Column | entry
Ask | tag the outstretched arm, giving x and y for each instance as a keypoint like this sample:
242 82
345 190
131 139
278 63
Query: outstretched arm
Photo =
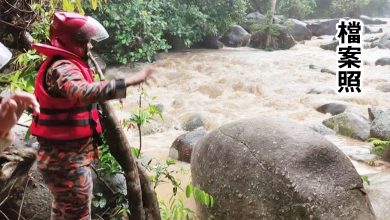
64 79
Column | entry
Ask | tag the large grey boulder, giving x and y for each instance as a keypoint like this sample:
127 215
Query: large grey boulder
327 27
379 193
298 29
380 126
368 20
350 125
374 113
276 169
253 21
181 148
282 41
383 61
236 36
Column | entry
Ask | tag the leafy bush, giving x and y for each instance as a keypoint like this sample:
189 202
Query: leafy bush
347 8
135 27
221 14
262 6
296 8
184 21
377 8
379 146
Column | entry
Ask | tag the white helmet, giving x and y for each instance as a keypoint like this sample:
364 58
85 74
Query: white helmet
5 55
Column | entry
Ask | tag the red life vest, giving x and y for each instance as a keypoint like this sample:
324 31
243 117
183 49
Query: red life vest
61 119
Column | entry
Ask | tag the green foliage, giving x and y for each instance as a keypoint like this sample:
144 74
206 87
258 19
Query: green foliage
296 8
350 8
24 76
221 14
162 173
275 29
199 195
175 210
379 145
144 115
107 163
377 8
184 21
135 27
365 179
262 6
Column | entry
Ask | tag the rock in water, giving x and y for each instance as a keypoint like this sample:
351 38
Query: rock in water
276 169
380 126
181 148
298 29
236 37
350 125
383 61
332 108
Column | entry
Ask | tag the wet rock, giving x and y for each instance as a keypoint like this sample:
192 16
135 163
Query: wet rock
379 193
325 70
374 113
279 19
363 155
177 43
384 87
298 29
181 148
322 129
313 67
330 46
383 61
276 169
332 108
368 20
327 27
367 30
192 121
386 154
160 107
109 184
382 43
236 36
209 42
256 17
253 22
283 41
350 125
109 187
380 126
317 91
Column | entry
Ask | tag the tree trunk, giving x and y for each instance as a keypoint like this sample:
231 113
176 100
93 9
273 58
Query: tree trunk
270 21
142 199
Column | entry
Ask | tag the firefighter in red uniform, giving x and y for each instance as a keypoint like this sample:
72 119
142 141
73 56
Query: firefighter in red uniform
68 120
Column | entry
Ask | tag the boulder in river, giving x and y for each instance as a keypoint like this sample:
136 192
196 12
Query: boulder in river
350 125
236 36
276 169
282 40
